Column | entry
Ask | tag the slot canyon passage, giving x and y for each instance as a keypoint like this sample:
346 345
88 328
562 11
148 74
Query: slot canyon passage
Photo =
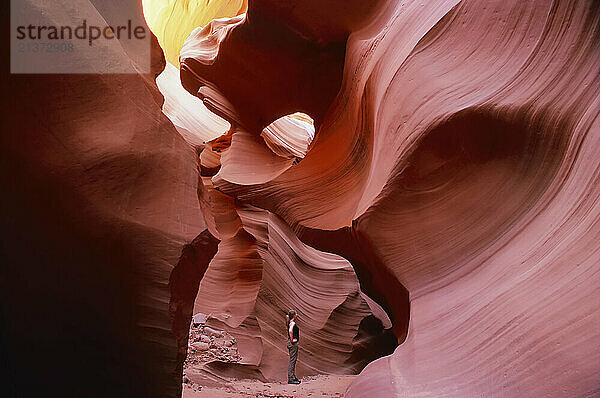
419 180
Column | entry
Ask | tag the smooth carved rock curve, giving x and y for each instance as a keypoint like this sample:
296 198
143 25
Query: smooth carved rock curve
459 141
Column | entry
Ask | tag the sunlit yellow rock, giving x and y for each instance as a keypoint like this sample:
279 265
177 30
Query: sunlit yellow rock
173 20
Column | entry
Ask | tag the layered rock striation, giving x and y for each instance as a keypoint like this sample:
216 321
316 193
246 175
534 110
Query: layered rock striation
260 270
454 157
413 173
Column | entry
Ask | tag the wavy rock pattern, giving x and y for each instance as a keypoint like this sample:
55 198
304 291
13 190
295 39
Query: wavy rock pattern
290 136
453 173
260 270
456 144
189 115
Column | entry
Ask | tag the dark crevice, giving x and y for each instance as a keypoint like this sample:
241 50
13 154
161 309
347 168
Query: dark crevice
183 285
375 279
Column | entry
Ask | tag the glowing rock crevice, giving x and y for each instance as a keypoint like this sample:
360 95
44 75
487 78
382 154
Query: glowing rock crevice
172 21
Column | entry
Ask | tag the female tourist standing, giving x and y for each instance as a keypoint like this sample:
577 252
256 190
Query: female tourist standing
292 344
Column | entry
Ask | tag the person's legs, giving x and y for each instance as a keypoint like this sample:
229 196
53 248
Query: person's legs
293 348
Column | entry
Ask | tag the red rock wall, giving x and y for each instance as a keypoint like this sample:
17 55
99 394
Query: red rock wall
98 201
261 270
453 179
456 146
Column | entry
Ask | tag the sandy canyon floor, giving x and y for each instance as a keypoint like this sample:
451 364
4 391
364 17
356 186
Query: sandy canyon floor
318 386
206 344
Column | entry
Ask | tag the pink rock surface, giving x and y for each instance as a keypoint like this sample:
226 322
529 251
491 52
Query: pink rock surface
260 270
460 149
450 195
